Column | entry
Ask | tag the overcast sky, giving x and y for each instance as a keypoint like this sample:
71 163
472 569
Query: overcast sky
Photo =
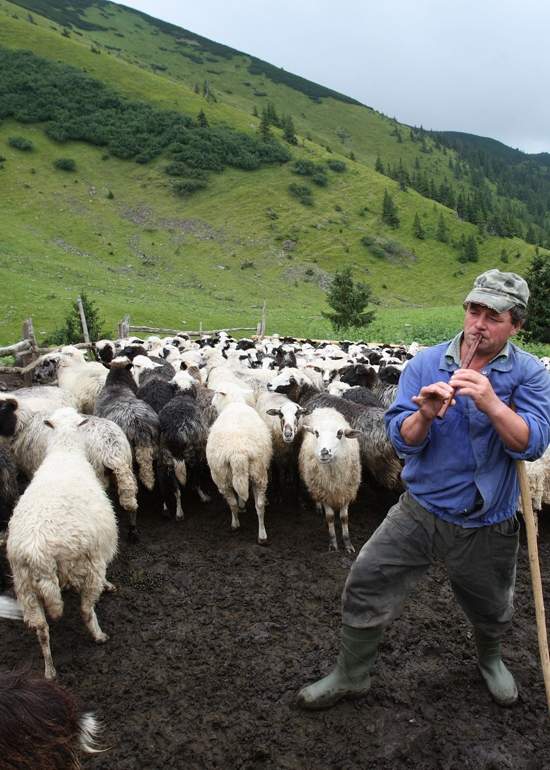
480 66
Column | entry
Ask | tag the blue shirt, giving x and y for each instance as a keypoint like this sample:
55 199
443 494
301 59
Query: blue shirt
462 471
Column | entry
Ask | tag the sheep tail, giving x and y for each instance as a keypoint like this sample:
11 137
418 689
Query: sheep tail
90 730
144 459
127 487
239 473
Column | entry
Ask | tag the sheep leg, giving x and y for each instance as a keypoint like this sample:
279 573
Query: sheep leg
329 516
345 529
259 499
109 587
179 509
203 496
91 592
43 633
231 498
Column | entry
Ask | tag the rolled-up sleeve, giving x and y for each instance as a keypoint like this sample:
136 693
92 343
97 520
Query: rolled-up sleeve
531 400
403 407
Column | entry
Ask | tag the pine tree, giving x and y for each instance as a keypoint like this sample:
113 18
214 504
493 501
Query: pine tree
71 332
379 166
272 116
289 132
389 211
348 300
197 88
202 120
537 327
418 230
263 129
255 111
471 253
442 233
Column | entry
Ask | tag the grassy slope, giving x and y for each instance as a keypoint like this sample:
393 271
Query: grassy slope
159 258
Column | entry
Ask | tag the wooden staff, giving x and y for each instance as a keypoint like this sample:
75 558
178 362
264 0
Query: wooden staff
536 581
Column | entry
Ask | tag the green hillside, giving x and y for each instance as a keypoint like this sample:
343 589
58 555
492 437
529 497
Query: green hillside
116 228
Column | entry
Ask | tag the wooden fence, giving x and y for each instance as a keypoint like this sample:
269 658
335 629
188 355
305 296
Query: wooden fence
27 352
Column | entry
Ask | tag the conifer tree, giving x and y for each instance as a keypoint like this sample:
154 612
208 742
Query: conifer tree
289 132
272 116
537 327
348 300
379 166
389 211
418 230
442 233
202 120
471 253
263 129
255 111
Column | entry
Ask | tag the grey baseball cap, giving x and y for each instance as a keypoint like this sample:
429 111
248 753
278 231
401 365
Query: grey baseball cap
499 291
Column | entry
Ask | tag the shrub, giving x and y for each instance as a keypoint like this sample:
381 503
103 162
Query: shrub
336 165
247 265
65 164
304 167
185 187
537 326
20 143
302 193
320 179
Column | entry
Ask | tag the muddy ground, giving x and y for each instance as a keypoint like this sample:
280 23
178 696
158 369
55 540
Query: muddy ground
212 635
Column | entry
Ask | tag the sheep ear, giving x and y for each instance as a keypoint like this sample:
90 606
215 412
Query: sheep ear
308 429
11 403
221 393
84 421
353 433
48 423
183 366
274 412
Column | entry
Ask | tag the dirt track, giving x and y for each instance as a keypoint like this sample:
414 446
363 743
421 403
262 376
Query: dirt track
212 635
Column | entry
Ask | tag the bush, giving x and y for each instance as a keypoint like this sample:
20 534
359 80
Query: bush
320 179
185 187
20 143
336 165
302 193
247 265
65 164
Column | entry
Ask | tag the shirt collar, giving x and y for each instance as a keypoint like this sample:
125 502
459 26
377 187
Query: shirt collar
452 356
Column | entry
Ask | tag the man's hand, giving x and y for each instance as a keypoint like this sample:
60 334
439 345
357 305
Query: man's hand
432 397
468 382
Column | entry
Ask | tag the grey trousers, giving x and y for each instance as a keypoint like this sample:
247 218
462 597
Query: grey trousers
481 564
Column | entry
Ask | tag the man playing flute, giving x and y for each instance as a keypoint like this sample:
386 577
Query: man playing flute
461 489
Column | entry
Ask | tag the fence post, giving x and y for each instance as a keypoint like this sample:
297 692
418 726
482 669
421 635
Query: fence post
124 327
25 358
263 321
83 320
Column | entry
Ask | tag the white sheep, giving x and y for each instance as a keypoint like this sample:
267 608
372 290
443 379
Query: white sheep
62 533
238 452
81 379
330 466
107 449
538 474
43 398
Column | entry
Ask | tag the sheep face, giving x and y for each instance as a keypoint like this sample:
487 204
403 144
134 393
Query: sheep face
8 417
328 441
45 372
289 416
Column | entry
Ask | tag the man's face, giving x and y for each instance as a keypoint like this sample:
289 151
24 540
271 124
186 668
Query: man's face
494 328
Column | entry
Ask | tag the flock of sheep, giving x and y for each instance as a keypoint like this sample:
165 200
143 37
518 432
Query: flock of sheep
171 412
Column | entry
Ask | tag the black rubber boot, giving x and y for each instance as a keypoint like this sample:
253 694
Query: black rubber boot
358 648
498 678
